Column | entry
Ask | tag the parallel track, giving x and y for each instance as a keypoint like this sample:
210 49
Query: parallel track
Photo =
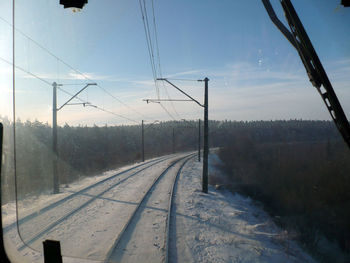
144 200
56 222
53 205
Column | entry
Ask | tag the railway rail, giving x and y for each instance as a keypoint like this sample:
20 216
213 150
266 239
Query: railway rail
51 221
119 248
170 211
73 203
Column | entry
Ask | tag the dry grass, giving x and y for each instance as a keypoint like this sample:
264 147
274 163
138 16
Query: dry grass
305 184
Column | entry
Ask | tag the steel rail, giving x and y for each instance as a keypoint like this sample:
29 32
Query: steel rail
171 201
84 204
55 204
146 195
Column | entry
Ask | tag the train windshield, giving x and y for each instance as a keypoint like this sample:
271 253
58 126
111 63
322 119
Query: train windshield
97 96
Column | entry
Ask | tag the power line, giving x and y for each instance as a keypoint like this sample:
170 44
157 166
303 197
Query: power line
165 109
67 92
69 66
150 50
113 113
151 53
149 43
97 107
77 71
28 72
121 102
39 78
158 56
171 102
156 42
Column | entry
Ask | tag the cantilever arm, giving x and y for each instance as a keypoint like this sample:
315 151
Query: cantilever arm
196 101
76 94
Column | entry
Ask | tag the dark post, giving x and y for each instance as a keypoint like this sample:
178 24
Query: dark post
52 251
173 140
206 145
54 139
199 140
143 143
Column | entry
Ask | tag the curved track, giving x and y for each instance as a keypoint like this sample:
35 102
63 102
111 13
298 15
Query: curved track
145 235
170 210
29 228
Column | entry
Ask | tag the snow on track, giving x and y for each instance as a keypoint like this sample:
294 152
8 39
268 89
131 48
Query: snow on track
66 226
215 227
77 232
145 238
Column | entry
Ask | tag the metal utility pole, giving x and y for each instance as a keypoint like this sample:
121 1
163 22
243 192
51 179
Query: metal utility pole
199 140
173 140
206 128
143 143
54 130
54 139
206 144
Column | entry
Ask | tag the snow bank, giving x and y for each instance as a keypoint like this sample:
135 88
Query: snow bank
225 227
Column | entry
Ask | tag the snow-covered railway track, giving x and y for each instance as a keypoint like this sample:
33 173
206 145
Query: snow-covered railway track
145 235
35 225
170 211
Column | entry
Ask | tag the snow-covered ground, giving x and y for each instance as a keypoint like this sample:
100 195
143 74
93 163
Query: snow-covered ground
86 225
35 203
214 227
225 227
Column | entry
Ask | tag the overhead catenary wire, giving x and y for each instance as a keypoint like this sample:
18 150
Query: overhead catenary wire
165 109
37 77
68 93
121 102
70 67
26 71
150 48
149 42
88 104
150 51
113 113
158 57
149 45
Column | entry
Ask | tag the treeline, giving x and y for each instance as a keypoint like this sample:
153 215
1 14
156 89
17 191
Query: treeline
300 171
83 151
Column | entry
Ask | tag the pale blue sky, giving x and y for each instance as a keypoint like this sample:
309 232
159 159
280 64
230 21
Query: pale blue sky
254 72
